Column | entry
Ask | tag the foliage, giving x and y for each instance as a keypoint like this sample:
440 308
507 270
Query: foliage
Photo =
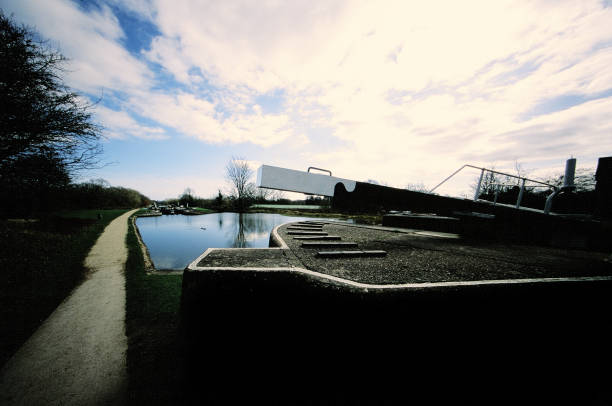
584 179
32 183
317 200
96 194
187 198
218 203
39 114
46 131
417 187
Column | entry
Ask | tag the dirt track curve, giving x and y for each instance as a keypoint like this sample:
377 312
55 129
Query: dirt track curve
78 355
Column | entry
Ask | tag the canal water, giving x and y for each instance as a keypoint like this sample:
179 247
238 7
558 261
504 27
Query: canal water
176 240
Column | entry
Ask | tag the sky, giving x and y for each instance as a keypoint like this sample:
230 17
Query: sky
400 92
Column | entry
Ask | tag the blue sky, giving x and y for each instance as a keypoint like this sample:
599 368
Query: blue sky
400 92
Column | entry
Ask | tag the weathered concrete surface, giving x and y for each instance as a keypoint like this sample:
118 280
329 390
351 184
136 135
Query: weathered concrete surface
415 256
249 258
420 321
78 355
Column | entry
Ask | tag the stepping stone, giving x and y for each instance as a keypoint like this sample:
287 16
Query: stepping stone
329 245
314 223
346 254
306 233
303 229
322 237
307 227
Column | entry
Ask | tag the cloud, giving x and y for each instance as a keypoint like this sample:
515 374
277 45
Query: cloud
408 91
199 118
90 40
119 124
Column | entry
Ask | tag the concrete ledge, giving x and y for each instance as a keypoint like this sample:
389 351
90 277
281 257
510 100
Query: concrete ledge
318 336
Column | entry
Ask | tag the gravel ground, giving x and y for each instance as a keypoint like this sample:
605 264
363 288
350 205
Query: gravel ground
77 356
414 257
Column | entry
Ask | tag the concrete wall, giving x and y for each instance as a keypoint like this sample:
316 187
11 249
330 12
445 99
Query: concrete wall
279 335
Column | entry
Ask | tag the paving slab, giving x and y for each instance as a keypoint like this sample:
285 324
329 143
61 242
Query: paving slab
336 244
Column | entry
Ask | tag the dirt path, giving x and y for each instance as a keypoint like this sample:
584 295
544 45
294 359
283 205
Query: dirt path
78 355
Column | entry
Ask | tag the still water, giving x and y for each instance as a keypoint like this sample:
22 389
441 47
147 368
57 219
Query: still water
176 240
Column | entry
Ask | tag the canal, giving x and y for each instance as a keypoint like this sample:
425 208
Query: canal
176 240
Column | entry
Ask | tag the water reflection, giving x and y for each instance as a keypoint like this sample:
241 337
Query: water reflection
176 240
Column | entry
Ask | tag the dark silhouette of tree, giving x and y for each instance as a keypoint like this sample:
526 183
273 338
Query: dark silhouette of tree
39 114
46 130
218 203
188 198
33 183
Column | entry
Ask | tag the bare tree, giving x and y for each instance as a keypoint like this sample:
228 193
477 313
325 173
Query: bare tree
238 174
417 187
584 179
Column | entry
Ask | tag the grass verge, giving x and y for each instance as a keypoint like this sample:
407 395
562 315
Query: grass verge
154 358
369 219
41 261
202 210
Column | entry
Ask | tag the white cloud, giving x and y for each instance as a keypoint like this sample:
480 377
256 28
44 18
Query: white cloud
119 124
411 89
89 40
197 117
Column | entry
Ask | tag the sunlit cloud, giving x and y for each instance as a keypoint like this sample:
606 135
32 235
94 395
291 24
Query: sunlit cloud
121 125
398 91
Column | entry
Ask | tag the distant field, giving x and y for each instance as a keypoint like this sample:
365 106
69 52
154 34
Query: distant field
286 206
202 210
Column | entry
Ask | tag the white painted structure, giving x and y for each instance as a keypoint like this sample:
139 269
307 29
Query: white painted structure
274 177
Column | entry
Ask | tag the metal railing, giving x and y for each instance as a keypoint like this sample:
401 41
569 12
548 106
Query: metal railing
522 180
319 169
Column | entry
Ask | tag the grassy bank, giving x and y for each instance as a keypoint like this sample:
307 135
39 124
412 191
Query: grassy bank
41 261
152 319
202 210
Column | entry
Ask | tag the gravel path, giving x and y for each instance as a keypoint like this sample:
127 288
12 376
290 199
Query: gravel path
78 355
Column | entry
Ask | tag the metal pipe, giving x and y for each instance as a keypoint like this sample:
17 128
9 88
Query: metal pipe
496 194
477 193
570 171
520 196
452 174
549 201
492 171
